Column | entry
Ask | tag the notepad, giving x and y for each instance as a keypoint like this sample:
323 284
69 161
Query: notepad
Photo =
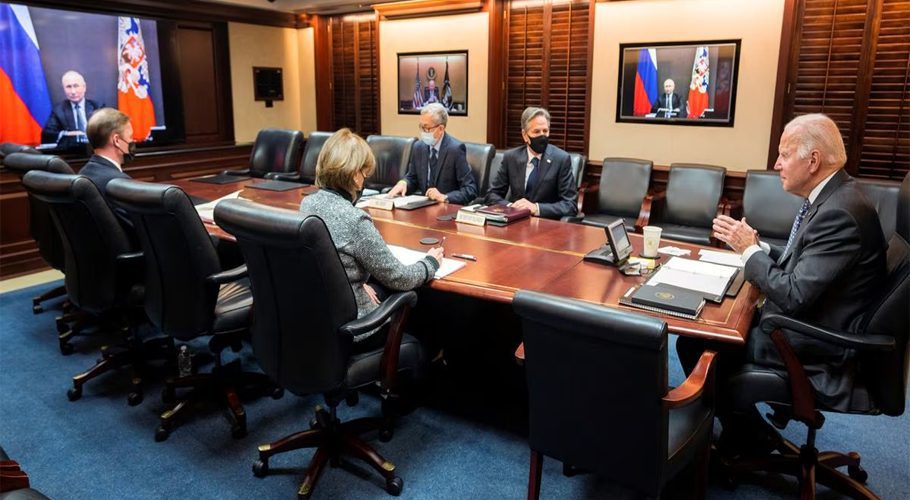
206 211
408 257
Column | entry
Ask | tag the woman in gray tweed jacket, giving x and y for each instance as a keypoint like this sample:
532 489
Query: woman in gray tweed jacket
344 162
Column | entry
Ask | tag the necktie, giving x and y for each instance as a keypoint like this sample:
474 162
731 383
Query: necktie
532 178
431 181
80 121
796 223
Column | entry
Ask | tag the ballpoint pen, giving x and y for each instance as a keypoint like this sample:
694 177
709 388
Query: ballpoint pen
464 256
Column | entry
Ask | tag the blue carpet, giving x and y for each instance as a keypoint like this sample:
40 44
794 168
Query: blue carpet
98 447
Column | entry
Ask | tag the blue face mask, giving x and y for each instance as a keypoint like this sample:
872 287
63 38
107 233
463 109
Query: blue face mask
427 138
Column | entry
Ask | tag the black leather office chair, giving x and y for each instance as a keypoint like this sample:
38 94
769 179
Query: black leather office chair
621 194
8 148
14 483
480 156
883 195
275 150
392 154
495 167
103 274
767 207
40 225
303 327
306 173
686 210
598 396
879 384
188 295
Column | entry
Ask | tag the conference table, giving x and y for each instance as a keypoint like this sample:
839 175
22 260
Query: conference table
532 254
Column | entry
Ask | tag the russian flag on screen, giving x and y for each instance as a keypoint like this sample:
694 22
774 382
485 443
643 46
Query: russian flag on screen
133 97
645 82
24 100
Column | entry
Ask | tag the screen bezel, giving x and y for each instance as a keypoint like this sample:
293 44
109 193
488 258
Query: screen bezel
620 255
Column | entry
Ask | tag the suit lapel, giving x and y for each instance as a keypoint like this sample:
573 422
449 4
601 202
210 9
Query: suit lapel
839 178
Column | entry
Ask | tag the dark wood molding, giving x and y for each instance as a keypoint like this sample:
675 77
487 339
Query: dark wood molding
789 38
187 10
378 74
592 21
427 8
864 84
322 51
496 73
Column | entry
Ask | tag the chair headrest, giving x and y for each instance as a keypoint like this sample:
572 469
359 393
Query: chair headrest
273 226
8 148
23 162
147 197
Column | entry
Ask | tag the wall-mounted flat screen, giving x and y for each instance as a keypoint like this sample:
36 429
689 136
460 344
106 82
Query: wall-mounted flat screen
429 77
678 83
57 67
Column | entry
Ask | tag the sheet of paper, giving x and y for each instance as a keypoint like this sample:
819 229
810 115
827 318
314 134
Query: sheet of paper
206 211
711 285
724 258
700 267
408 257
673 251
404 200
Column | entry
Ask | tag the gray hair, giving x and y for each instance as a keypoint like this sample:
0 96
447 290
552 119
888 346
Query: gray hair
818 132
531 113
437 111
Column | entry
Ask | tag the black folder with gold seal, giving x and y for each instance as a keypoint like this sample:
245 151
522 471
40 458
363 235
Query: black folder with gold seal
665 299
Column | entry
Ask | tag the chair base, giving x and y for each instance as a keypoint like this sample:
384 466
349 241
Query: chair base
332 439
135 354
48 295
222 383
808 465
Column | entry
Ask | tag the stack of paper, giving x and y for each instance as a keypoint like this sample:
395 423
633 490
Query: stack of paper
207 210
725 258
408 257
710 279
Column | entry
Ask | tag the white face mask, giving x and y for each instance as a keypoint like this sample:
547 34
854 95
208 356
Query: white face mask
427 138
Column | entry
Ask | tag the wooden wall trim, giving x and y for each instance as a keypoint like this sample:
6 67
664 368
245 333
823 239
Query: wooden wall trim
426 8
789 39
189 10
496 73
864 84
322 45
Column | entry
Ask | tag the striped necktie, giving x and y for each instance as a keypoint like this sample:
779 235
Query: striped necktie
796 223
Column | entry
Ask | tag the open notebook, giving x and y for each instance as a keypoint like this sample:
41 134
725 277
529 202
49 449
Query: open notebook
408 257
710 279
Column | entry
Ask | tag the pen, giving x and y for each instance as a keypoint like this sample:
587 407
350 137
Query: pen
464 256
443 244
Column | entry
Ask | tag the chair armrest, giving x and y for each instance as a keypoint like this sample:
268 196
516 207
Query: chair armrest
130 258
574 219
243 171
771 322
228 276
693 387
131 263
283 176
381 314
644 213
583 190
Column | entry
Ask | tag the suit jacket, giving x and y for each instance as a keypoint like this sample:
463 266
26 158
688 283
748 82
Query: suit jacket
453 175
62 119
556 190
662 103
829 277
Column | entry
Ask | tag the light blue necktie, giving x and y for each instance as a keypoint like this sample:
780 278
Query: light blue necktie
80 121
803 210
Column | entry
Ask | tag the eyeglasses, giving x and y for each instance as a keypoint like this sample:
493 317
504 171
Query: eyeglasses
430 129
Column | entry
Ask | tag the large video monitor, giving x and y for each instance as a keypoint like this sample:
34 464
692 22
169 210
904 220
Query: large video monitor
428 77
678 83
63 65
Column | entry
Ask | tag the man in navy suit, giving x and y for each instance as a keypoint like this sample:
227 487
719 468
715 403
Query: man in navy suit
438 166
67 124
668 102
111 136
536 175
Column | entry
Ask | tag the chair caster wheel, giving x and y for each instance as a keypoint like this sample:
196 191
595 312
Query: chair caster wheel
66 349
385 435
394 486
277 393
569 470
134 398
161 434
238 431
74 393
37 309
314 423
260 468
858 474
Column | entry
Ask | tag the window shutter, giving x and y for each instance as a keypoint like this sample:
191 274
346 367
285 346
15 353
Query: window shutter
355 88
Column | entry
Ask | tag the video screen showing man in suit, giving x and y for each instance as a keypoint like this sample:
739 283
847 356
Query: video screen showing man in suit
536 175
667 105
438 166
68 120
827 274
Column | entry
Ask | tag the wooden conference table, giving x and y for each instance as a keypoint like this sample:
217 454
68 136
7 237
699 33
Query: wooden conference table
532 254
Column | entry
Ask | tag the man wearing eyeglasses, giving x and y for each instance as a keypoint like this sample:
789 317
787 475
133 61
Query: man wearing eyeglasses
438 166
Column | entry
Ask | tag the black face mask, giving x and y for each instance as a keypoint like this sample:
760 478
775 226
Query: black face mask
539 143
130 153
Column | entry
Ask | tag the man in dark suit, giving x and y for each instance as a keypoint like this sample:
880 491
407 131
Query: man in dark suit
438 166
668 102
67 122
537 175
111 136
827 274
